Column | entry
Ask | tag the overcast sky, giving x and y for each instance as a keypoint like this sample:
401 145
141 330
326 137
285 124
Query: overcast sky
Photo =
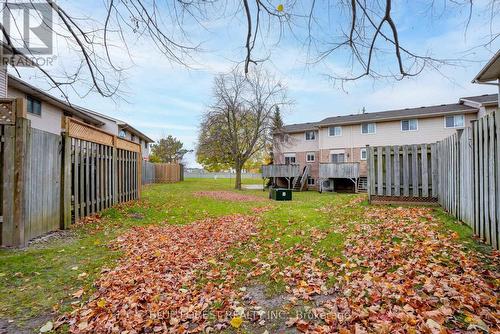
165 98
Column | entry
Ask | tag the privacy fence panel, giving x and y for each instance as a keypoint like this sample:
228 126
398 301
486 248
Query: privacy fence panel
402 173
486 166
455 172
42 183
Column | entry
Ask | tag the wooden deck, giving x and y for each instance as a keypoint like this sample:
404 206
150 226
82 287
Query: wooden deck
281 170
343 170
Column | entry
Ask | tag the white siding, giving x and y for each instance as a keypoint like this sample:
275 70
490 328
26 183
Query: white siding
51 118
389 133
296 142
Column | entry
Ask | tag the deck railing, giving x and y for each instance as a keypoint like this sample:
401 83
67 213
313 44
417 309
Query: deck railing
280 170
341 170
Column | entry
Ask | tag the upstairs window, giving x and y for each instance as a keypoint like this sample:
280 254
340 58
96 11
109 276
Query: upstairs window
368 128
122 134
409 125
34 106
335 131
455 121
310 135
310 157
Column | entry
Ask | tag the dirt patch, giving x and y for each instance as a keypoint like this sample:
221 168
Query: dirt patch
48 238
29 326
228 196
266 313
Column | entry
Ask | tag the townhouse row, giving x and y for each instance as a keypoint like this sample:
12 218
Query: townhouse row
343 139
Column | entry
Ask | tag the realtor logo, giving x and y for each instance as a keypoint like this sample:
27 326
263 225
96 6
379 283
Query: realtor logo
27 36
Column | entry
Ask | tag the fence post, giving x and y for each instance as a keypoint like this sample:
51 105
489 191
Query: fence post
66 178
20 163
369 177
114 173
139 173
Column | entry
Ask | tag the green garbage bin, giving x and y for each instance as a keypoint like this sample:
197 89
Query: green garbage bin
279 194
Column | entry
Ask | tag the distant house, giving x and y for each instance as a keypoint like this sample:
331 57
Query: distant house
333 151
46 112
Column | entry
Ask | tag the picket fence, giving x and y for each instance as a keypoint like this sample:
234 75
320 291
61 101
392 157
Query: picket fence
461 173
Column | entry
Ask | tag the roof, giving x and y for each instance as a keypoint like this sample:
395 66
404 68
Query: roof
421 112
299 127
121 124
69 108
72 109
482 99
491 71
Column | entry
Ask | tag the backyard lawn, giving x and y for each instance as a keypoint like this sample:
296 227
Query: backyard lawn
197 256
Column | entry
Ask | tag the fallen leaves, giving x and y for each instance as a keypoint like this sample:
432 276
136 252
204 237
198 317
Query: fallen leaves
229 196
399 273
156 286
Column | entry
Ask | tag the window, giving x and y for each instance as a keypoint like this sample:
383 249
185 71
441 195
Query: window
409 125
310 135
363 154
310 181
34 106
368 128
337 157
335 131
122 134
146 145
310 157
289 159
455 121
132 137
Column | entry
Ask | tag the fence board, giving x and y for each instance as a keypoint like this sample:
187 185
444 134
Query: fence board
388 171
425 174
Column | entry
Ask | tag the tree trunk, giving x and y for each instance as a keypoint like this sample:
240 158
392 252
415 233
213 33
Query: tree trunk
237 184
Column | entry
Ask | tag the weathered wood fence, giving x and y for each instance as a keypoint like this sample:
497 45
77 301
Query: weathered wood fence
50 181
100 170
486 178
403 173
162 172
461 173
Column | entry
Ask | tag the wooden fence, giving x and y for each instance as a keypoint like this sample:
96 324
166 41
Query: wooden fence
50 181
461 172
42 183
403 173
486 178
100 170
455 175
162 172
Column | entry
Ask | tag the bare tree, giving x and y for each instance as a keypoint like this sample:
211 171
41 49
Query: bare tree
239 124
362 31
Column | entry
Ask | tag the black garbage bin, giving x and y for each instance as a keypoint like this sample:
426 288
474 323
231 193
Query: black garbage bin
279 194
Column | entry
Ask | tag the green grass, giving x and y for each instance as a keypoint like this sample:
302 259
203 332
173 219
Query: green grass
38 279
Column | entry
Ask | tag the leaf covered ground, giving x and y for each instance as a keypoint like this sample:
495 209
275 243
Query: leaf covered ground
181 262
